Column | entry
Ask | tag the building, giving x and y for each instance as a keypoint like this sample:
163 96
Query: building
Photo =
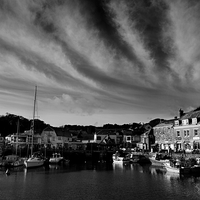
145 136
164 134
187 131
1 144
107 136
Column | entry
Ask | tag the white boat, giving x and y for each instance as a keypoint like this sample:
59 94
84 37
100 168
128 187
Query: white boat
177 168
121 158
155 161
35 160
56 158
171 169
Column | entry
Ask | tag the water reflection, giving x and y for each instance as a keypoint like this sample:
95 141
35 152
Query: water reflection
137 182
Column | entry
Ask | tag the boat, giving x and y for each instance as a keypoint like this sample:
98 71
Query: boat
36 160
57 158
177 167
121 157
139 158
171 169
12 161
158 159
195 166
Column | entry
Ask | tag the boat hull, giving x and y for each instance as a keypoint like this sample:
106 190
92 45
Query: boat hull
171 169
158 163
195 169
55 160
31 163
178 169
12 161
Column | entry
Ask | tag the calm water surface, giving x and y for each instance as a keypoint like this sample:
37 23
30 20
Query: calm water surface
100 182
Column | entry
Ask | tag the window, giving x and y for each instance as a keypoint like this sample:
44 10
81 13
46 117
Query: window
195 132
176 122
188 133
194 120
98 137
128 138
178 133
185 133
185 122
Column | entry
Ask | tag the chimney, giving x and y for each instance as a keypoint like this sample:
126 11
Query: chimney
181 113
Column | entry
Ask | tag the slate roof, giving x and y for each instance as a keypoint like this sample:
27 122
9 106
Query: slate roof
165 123
191 114
106 132
83 135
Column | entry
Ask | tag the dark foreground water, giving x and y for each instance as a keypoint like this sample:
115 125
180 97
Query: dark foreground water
100 182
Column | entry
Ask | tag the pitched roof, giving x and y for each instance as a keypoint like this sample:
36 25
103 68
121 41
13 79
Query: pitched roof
128 132
106 132
191 114
48 128
165 123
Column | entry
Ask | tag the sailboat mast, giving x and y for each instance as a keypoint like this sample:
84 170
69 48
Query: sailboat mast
17 135
33 122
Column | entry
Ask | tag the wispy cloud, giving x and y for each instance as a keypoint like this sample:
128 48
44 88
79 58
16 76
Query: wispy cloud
130 60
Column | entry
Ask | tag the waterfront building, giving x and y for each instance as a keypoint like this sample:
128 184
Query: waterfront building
23 139
105 136
187 131
164 135
55 137
144 136
147 138
1 144
129 139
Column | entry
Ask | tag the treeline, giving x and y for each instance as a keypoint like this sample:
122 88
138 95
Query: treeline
11 123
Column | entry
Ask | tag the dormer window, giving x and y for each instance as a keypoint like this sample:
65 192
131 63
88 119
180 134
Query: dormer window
194 120
176 122
185 122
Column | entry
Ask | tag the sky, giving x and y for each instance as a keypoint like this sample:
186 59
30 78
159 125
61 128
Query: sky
96 62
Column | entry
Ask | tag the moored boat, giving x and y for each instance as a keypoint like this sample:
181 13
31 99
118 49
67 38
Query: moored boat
158 160
171 168
35 160
177 167
121 157
139 158
13 161
57 158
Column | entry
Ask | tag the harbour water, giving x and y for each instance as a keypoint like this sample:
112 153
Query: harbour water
97 182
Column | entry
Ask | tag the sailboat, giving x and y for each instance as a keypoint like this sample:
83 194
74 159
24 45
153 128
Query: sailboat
35 160
13 160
